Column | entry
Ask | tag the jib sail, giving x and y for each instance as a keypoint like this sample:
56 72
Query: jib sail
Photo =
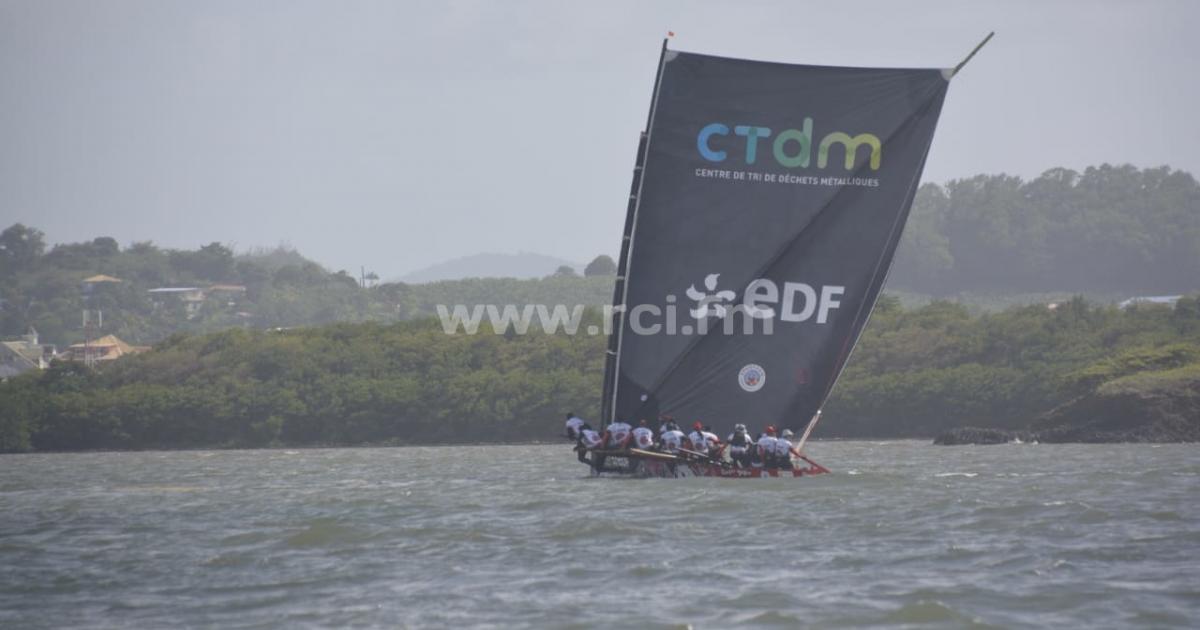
764 220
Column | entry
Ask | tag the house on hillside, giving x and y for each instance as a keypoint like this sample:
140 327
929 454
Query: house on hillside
24 354
106 348
1168 300
91 283
230 294
191 297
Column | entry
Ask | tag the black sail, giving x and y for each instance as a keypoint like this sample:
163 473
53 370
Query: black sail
770 203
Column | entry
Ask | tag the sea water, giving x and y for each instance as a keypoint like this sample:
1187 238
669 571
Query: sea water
901 534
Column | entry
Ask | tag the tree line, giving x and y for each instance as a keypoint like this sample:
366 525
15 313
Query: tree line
1106 232
1109 229
284 289
915 373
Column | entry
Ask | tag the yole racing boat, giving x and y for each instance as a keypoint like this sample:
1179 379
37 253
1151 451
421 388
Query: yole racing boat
772 196
643 463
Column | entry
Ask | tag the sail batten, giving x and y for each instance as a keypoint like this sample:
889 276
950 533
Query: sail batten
767 204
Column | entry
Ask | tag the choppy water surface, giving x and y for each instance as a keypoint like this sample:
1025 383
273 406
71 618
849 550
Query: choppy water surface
903 533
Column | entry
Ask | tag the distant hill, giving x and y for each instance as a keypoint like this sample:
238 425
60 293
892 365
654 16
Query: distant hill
521 265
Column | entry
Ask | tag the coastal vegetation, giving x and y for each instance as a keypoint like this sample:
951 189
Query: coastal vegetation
917 372
267 347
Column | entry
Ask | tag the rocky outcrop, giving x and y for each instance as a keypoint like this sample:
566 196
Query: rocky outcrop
1148 407
978 435
1144 410
973 435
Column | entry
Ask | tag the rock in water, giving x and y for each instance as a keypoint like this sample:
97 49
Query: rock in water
977 435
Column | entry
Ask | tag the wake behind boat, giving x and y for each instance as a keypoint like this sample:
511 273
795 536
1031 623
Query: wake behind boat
766 206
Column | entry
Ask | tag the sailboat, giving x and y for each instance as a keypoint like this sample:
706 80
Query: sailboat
766 206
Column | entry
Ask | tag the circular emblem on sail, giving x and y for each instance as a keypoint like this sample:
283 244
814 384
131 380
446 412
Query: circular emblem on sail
752 377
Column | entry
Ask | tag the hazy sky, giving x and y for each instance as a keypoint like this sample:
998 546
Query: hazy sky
398 134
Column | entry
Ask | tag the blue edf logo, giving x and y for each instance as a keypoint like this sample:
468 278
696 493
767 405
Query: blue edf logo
791 148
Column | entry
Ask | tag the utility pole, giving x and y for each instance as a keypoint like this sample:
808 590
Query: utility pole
90 326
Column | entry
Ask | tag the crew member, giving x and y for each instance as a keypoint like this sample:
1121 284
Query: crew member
702 441
588 440
740 446
695 440
643 437
666 428
784 450
617 435
716 449
672 439
766 447
574 424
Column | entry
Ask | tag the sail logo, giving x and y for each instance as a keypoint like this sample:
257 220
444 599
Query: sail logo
710 305
766 299
791 148
752 377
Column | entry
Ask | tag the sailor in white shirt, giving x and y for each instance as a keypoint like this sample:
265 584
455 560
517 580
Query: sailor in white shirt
672 440
784 450
617 435
588 440
574 424
667 427
643 437
766 447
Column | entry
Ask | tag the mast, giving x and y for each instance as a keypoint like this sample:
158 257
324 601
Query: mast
612 354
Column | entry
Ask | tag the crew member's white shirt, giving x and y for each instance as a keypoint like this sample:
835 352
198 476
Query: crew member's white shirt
673 440
766 445
574 423
617 432
643 437
592 439
783 449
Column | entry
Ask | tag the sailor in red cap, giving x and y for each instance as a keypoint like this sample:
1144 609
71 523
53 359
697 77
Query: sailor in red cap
696 439
766 447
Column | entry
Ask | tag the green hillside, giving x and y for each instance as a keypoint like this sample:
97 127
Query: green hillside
915 374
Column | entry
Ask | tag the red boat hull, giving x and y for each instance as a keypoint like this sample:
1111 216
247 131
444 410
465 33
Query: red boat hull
713 470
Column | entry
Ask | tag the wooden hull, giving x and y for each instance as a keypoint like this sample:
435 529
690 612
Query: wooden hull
712 470
637 463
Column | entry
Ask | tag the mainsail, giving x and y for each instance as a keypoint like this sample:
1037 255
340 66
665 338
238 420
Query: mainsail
767 204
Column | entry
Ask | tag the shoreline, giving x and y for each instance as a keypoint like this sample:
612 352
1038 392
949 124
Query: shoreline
314 447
